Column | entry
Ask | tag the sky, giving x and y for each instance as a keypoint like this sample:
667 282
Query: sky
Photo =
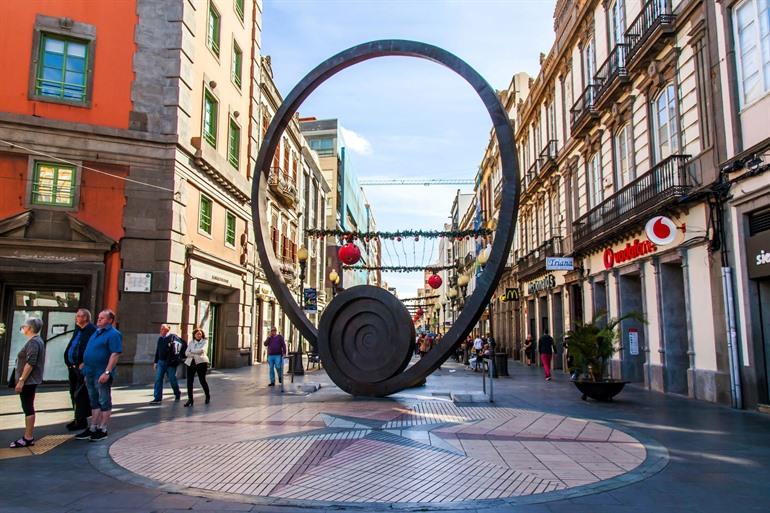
405 117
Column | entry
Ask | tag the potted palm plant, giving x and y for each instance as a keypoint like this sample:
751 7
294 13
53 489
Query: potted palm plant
591 345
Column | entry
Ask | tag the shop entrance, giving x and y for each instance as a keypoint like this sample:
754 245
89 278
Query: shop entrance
632 332
558 327
208 320
543 311
576 304
674 320
56 308
763 295
532 319
600 301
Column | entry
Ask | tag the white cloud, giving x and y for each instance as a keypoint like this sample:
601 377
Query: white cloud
356 142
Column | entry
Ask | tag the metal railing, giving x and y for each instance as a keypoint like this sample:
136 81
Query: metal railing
653 14
583 106
549 153
498 192
534 261
666 181
281 183
614 67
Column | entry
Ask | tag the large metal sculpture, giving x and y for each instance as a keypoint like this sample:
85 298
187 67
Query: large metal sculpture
366 337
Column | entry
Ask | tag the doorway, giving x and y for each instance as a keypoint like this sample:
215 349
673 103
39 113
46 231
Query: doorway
600 302
558 327
543 311
208 320
532 319
632 332
576 304
56 308
675 336
763 298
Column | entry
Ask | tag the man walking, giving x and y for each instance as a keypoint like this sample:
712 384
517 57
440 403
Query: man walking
73 358
546 347
169 351
276 349
99 362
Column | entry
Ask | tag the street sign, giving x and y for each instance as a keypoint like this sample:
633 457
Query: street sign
559 264
310 300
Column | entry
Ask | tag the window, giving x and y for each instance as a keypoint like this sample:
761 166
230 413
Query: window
666 129
752 34
62 69
237 65
234 144
210 111
204 216
595 188
589 63
239 9
53 185
617 22
212 36
624 162
230 229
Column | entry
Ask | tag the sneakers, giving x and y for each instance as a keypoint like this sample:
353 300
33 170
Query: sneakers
156 401
548 378
85 435
76 425
99 434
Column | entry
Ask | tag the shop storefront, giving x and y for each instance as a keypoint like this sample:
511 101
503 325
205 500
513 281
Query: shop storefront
543 309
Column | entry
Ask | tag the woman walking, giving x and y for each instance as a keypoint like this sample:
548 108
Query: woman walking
197 363
29 374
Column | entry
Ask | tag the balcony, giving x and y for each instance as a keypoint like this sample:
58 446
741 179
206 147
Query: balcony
534 262
548 156
649 31
611 75
282 185
498 193
584 112
632 205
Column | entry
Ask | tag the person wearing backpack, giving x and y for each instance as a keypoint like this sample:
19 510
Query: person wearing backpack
169 352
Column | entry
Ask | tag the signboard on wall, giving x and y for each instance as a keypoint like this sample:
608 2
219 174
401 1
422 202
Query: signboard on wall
137 282
559 263
758 255
545 283
633 341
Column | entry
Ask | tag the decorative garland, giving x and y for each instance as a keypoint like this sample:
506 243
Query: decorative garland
418 298
398 268
398 235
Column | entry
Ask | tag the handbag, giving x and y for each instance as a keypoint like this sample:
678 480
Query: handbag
12 379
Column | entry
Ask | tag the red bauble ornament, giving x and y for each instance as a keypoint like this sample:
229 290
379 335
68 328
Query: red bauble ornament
434 281
416 239
349 254
398 239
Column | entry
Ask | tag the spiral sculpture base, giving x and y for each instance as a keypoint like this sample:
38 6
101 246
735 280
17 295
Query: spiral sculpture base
365 339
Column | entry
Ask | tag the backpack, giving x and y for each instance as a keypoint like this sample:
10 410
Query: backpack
177 348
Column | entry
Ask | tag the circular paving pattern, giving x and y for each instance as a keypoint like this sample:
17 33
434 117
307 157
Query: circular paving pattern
379 452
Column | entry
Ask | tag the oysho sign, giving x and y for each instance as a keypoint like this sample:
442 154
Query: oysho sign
545 283
628 253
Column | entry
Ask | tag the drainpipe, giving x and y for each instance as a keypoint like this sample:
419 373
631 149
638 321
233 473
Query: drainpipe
732 338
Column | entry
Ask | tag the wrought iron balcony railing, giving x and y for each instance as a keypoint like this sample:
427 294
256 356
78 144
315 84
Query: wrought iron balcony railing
584 108
662 185
611 71
280 182
534 261
548 154
654 14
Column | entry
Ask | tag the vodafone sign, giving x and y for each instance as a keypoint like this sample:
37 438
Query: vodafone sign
660 230
628 253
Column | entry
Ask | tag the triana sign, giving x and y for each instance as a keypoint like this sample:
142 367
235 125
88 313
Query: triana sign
628 253
559 263
510 295
545 283
758 255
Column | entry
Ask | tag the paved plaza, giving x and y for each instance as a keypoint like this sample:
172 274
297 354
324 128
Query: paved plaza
537 448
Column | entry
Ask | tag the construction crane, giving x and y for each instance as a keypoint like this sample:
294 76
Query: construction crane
418 181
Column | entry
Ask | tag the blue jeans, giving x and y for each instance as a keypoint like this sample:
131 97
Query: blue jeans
100 395
275 361
161 372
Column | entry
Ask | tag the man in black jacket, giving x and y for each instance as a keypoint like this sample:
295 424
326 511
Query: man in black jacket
168 353
73 358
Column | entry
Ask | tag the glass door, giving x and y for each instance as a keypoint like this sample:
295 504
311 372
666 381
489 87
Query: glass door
207 321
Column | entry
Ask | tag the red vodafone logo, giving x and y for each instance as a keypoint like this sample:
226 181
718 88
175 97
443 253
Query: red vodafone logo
630 252
660 230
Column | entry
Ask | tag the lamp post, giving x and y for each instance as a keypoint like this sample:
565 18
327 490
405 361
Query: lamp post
334 279
302 255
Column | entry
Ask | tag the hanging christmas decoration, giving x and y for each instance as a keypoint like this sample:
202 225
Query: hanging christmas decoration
349 254
399 268
434 296
398 235
434 281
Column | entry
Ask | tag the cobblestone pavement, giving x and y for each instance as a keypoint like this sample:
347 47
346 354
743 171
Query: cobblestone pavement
538 448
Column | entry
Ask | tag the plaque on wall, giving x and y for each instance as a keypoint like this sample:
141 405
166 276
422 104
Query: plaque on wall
137 282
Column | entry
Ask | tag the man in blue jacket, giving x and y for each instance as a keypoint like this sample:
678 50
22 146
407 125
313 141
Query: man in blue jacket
73 358
99 362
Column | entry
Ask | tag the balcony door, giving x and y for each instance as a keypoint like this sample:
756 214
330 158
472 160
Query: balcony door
617 23
666 123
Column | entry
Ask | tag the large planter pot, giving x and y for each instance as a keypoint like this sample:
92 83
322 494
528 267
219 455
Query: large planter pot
603 390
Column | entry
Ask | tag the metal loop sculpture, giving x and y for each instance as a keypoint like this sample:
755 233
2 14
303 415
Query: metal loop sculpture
366 336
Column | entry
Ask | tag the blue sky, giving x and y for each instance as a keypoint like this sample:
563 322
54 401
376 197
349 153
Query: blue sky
406 117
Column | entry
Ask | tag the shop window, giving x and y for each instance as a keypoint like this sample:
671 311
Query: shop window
234 144
214 29
666 123
210 112
751 21
53 185
237 65
230 229
205 214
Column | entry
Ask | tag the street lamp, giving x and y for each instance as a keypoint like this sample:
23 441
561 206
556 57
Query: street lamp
334 279
302 256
